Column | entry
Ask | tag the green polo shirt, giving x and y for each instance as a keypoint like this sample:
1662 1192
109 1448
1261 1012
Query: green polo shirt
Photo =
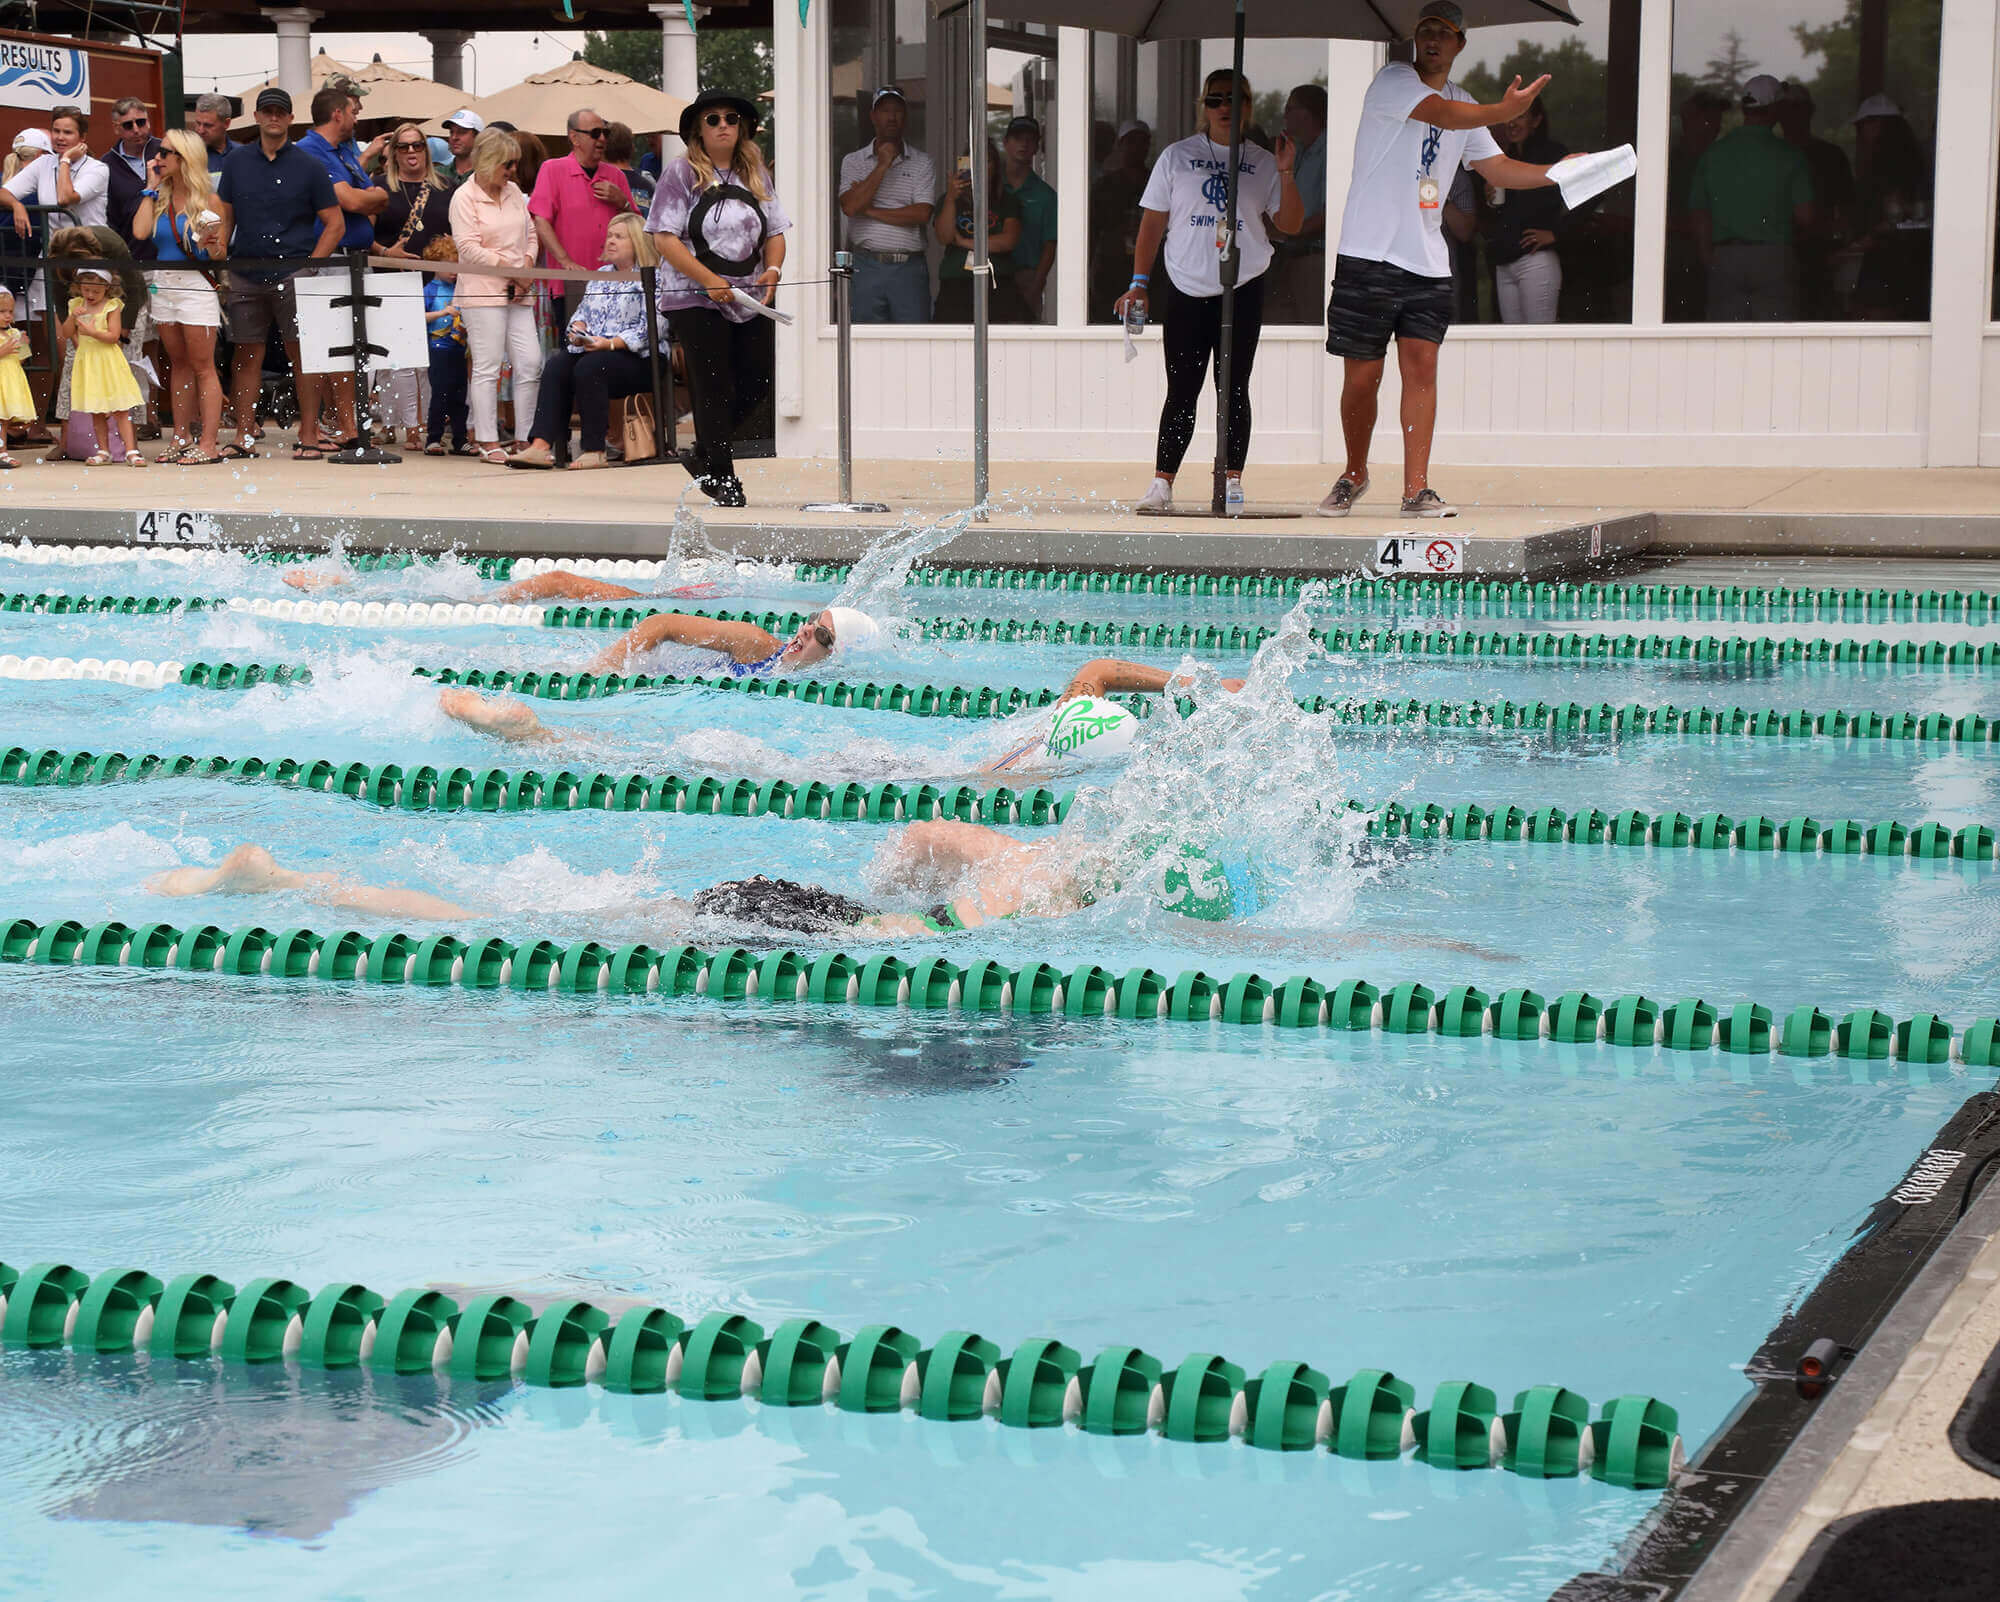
1748 181
1038 221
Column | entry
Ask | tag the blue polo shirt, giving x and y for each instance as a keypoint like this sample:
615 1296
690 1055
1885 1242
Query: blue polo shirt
343 166
277 201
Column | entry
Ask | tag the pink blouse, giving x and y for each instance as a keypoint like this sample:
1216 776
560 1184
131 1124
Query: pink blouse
490 233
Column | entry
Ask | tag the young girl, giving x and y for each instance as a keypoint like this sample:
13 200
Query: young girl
101 382
17 402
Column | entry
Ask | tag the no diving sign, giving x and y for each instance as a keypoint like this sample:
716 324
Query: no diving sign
1411 555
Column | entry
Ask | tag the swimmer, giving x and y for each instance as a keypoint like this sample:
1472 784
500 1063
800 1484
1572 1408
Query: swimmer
511 719
558 584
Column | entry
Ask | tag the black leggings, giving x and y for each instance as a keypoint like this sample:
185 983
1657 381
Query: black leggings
586 384
729 371
1191 327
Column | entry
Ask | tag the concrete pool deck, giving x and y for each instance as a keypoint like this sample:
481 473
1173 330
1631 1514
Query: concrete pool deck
1534 522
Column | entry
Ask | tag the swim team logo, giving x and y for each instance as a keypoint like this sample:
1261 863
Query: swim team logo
1215 189
42 76
1082 722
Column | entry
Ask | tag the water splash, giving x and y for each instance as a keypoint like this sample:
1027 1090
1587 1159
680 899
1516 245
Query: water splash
877 583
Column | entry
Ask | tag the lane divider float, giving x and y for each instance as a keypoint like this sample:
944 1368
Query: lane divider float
962 1376
935 983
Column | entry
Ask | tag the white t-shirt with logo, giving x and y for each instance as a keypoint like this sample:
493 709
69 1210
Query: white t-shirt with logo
1188 184
1392 156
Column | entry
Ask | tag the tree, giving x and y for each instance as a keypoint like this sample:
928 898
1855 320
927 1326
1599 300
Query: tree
1728 72
1574 99
1909 70
736 59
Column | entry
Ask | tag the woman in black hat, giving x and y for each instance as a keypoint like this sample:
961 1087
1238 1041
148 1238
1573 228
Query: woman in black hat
719 227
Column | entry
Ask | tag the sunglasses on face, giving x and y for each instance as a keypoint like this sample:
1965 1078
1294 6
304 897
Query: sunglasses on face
409 147
1215 102
593 133
134 122
722 119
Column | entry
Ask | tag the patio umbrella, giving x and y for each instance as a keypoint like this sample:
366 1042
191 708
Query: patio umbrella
1384 20
543 102
389 94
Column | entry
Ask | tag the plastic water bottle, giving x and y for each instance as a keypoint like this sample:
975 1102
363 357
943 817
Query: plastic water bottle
1135 319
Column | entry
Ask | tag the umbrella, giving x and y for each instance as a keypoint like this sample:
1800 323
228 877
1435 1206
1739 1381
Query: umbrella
389 94
542 103
1382 20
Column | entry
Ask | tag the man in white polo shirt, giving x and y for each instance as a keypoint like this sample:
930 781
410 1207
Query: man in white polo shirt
1393 272
886 192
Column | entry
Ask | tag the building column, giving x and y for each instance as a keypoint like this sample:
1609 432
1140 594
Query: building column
1961 230
1073 174
448 55
1655 138
294 25
680 72
805 360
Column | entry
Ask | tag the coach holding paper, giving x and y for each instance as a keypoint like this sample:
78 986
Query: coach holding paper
1393 272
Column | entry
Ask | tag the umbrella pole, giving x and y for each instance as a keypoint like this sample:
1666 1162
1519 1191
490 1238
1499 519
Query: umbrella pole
982 268
1218 504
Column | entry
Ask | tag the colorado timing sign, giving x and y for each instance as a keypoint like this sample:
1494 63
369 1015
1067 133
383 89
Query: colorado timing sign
42 76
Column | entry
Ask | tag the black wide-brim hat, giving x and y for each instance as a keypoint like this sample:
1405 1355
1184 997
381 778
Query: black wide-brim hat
707 100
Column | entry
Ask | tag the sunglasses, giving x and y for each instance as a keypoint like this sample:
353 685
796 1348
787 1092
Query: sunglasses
135 122
594 133
1215 102
412 147
722 119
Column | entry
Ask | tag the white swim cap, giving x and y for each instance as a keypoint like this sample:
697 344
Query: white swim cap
1088 727
851 629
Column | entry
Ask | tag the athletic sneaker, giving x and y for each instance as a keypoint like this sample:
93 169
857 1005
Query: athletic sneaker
1341 498
1158 497
1232 494
1428 503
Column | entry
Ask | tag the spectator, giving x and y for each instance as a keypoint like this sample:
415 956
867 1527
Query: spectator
491 227
1894 190
1030 261
952 222
1114 217
1392 273
1522 232
619 150
1461 238
99 243
1750 196
1183 205
128 170
276 202
1687 280
1298 260
445 329
70 181
212 114
573 201
886 190
1833 203
17 401
533 154
29 143
104 384
720 227
331 144
461 128
177 216
604 356
419 211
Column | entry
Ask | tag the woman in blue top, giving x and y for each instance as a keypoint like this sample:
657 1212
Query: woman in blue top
178 214
609 338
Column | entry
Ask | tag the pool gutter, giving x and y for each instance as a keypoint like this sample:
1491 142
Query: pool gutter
1749 1488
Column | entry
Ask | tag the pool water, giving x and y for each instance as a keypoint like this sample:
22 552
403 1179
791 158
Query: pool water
1614 1220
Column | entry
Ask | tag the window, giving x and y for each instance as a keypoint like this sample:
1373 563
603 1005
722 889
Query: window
1799 185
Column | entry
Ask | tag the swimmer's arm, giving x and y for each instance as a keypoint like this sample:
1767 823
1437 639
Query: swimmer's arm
741 642
1108 674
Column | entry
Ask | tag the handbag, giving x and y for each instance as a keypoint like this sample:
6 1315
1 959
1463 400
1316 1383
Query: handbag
638 430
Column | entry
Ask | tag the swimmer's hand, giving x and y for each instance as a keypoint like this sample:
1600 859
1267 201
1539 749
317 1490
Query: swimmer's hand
1107 673
504 718
301 579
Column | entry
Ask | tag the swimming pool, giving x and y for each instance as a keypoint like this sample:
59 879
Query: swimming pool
1613 1219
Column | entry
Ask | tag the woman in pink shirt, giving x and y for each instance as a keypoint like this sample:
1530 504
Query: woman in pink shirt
490 224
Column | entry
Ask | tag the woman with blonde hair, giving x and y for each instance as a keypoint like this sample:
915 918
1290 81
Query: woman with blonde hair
418 212
720 228
605 356
491 226
178 214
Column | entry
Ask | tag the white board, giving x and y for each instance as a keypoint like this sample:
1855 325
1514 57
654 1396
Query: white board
397 323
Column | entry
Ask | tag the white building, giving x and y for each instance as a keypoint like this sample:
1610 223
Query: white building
1648 388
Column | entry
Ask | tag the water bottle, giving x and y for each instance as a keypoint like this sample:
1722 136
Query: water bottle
1135 319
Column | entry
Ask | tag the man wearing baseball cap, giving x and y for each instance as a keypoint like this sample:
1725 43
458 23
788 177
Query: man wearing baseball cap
886 191
460 129
1392 276
1031 261
1751 196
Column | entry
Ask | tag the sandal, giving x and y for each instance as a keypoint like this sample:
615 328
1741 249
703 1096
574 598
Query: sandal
302 452
436 448
98 459
194 456
493 455
7 461
136 459
174 452
237 451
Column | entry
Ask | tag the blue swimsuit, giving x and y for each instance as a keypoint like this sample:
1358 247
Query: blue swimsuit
756 670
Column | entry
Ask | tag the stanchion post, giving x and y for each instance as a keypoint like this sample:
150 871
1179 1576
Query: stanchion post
843 319
362 453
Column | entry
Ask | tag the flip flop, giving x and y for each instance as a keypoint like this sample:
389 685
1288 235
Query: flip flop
193 457
308 453
237 451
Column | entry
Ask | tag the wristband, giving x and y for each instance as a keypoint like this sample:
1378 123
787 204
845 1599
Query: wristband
1139 281
149 194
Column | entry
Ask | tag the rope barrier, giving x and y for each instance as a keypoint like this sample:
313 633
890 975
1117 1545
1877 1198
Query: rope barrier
424 787
962 1376
737 974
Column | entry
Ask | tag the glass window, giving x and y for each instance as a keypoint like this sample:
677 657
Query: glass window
1143 98
1520 256
1800 181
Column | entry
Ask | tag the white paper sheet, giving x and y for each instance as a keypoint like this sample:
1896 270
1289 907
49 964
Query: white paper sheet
1585 176
760 308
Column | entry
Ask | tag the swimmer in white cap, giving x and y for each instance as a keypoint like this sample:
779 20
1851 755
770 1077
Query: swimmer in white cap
558 584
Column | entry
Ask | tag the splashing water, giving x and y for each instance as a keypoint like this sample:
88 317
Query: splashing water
878 580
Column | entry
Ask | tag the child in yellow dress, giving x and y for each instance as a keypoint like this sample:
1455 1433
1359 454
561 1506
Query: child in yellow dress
17 401
101 381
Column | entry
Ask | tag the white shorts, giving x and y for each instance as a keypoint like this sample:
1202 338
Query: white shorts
185 298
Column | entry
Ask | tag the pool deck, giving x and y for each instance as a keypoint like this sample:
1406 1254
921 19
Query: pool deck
1533 522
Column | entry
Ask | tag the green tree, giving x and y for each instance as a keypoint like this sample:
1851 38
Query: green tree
1574 99
1728 72
1909 67
736 59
